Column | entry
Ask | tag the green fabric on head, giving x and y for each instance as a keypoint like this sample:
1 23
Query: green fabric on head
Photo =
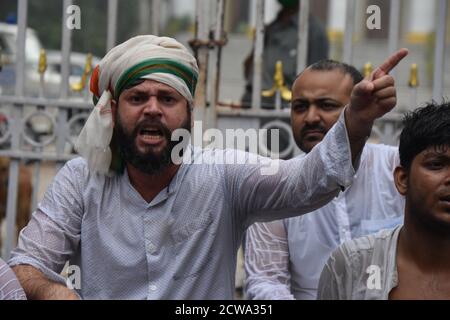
157 65
288 3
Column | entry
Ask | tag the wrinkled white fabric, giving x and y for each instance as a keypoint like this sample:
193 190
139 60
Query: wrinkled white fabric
362 269
94 139
174 82
136 50
284 258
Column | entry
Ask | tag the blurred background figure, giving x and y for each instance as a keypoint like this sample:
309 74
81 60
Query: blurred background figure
280 44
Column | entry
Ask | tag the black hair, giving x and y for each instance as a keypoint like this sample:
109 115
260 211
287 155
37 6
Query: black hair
424 127
330 65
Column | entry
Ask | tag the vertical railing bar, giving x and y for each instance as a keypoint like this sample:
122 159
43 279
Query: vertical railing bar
215 59
302 40
156 13
37 173
112 24
258 55
439 62
201 34
21 39
66 44
394 29
349 28
13 177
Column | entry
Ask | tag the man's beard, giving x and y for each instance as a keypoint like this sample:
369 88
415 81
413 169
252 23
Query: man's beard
301 142
149 162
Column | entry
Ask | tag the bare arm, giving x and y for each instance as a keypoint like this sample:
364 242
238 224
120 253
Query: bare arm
38 287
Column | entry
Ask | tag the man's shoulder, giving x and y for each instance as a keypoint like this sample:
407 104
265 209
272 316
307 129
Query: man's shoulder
78 162
76 165
379 154
366 246
77 171
379 147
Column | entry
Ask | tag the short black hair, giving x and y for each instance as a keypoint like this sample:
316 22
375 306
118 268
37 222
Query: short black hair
330 65
424 127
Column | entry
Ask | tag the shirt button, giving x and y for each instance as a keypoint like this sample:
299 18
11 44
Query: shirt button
153 287
151 248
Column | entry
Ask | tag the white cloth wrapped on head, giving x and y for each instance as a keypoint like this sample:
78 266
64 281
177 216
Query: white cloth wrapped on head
161 59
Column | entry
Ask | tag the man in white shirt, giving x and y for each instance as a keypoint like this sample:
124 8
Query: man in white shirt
140 225
410 261
284 258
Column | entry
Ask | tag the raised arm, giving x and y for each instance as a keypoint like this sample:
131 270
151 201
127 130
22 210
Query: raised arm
304 184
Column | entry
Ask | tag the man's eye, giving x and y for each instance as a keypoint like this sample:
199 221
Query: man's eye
137 99
434 165
328 106
300 107
167 99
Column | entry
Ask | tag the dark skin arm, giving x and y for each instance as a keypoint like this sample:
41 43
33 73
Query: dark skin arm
38 287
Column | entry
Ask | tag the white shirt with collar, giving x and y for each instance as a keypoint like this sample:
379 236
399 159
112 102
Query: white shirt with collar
284 258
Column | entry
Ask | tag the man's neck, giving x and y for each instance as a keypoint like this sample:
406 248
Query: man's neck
149 185
428 249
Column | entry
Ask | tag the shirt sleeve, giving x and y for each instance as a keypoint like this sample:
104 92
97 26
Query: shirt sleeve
267 262
52 236
277 189
10 288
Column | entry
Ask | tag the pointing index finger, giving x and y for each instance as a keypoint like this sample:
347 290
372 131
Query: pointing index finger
391 62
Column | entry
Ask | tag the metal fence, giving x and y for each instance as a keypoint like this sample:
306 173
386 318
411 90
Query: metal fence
65 114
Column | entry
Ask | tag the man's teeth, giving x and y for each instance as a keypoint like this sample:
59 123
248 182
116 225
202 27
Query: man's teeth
153 133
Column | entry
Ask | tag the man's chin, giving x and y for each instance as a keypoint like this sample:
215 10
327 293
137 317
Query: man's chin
307 146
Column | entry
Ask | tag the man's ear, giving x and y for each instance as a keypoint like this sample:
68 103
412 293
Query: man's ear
114 110
401 179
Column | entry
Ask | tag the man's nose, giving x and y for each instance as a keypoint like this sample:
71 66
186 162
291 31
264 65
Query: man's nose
312 115
447 176
152 107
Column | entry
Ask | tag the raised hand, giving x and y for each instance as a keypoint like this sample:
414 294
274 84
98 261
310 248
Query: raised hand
376 94
371 98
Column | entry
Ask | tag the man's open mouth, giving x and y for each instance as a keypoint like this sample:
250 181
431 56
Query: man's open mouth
151 132
445 198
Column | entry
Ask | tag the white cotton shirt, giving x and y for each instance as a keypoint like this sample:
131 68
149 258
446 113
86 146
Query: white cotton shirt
183 244
283 259
362 269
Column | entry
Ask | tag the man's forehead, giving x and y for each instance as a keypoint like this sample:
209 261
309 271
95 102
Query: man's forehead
437 150
323 83
145 85
335 73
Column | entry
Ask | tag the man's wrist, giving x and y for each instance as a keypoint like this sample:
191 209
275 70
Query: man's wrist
358 128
